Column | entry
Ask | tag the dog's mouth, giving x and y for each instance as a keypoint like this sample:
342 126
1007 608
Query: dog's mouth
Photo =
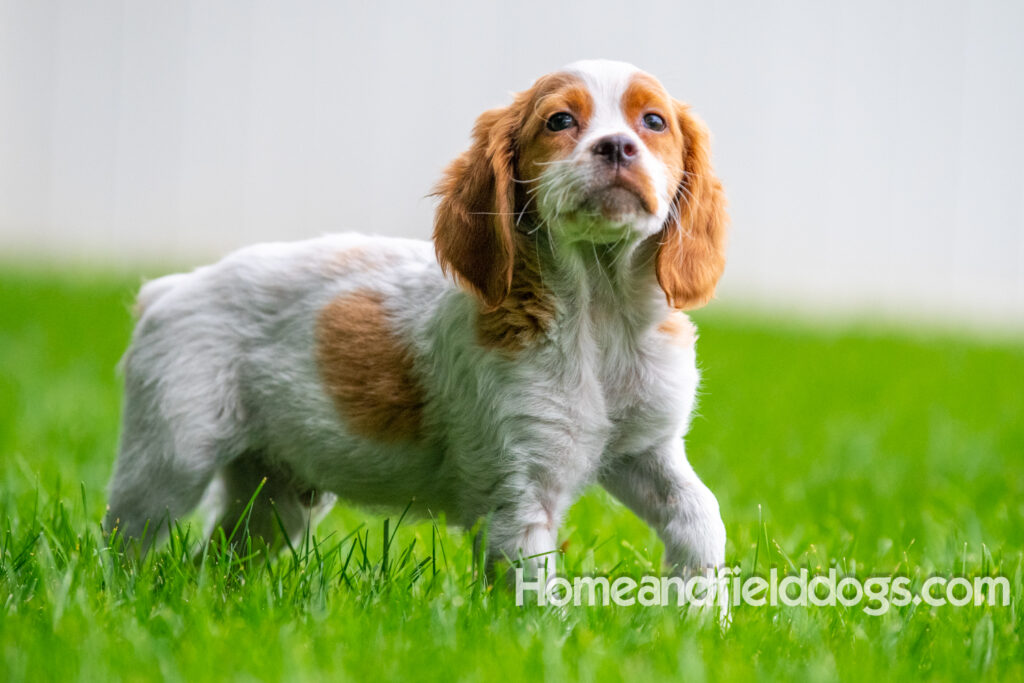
620 198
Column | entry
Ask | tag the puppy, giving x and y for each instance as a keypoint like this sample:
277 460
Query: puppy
538 345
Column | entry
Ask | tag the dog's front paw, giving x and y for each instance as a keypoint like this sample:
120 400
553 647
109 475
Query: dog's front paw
695 541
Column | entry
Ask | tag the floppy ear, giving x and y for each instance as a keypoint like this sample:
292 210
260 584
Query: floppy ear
691 255
473 226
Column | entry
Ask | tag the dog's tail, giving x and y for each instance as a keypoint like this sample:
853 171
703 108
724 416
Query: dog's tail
153 290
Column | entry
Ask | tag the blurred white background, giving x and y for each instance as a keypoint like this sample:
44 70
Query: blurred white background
872 152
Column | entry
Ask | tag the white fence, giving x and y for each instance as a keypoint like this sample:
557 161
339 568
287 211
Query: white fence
873 152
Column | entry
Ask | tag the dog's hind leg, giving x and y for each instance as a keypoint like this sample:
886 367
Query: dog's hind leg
261 499
150 489
165 463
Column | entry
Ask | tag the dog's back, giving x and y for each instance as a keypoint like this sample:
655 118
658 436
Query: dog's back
213 352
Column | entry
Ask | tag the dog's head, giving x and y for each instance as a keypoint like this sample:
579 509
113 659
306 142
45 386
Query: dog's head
600 153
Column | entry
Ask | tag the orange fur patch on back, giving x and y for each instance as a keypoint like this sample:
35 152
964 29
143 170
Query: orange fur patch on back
679 328
526 314
354 257
357 258
367 370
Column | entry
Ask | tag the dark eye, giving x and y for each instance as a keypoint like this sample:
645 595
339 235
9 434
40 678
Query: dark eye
654 122
561 121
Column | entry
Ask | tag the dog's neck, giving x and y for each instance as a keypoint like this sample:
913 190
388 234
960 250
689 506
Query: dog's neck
562 289
611 280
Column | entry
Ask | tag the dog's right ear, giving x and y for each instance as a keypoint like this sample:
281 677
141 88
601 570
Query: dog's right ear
474 224
691 255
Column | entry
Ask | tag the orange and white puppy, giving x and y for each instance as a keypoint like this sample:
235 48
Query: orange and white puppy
579 223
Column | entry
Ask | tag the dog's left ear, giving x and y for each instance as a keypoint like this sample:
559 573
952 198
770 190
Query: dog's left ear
691 255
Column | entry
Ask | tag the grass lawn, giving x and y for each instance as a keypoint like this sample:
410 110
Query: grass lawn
873 451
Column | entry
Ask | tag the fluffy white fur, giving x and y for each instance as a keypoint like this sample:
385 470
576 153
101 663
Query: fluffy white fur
222 385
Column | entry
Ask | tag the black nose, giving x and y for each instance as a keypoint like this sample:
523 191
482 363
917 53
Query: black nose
615 149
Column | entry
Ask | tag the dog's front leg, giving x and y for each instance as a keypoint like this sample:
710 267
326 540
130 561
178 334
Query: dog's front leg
522 539
529 503
662 489
524 533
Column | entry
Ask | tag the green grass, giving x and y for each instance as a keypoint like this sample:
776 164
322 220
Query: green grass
870 450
